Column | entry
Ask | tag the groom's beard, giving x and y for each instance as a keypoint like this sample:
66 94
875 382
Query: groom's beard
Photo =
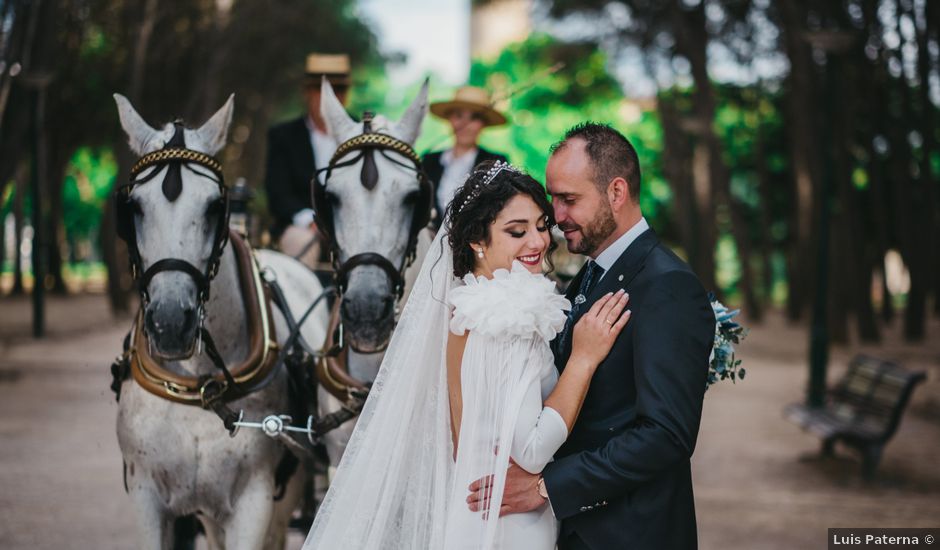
594 233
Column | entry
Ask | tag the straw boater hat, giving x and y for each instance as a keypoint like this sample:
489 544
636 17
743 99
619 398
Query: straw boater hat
473 98
335 67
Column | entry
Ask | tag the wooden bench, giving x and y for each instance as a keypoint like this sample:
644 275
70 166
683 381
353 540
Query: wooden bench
863 410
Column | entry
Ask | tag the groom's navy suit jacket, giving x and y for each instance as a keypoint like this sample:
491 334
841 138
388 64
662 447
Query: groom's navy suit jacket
623 478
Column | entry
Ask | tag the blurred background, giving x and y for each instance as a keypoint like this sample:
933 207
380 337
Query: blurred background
790 152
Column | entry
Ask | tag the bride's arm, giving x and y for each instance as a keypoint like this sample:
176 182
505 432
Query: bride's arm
455 347
541 431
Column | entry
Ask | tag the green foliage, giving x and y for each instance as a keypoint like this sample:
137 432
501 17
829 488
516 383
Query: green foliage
546 86
541 105
88 181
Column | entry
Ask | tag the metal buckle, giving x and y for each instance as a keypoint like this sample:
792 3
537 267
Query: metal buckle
207 388
175 389
200 343
238 423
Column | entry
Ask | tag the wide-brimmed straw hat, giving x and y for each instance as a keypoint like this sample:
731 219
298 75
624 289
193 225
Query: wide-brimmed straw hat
474 99
335 67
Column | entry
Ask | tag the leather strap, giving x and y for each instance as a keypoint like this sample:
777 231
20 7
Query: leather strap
250 373
331 367
369 258
175 264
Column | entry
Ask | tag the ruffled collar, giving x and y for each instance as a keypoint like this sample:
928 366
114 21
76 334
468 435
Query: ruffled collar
514 302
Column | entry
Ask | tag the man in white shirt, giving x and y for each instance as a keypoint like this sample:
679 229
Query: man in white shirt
296 150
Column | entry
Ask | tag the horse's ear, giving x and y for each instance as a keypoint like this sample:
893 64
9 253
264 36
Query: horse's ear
139 133
409 127
214 132
338 123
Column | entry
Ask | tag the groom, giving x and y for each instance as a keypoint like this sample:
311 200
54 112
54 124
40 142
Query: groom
623 478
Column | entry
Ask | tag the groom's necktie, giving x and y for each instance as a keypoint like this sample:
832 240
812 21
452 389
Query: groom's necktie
592 274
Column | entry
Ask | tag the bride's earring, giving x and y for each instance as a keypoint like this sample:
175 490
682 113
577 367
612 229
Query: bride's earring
480 253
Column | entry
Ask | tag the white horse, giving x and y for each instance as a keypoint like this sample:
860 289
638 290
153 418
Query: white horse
375 218
179 459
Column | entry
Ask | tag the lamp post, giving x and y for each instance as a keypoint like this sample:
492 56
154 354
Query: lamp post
833 43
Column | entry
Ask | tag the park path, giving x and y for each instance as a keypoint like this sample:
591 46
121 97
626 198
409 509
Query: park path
60 468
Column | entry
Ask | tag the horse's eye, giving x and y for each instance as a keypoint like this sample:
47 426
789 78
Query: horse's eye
135 207
411 198
333 199
215 208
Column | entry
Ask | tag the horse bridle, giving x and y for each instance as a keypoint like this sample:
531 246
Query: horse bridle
174 155
367 143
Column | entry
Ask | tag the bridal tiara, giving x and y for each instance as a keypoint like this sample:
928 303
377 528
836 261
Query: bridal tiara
488 178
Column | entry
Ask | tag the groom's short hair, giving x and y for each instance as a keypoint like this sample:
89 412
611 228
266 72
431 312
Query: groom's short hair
610 152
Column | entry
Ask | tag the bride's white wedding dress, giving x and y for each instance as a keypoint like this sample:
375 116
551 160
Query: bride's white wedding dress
398 485
507 372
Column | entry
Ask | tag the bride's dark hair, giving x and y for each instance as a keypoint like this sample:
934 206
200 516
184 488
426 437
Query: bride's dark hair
476 205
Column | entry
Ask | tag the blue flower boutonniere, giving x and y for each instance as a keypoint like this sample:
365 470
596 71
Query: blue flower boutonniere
722 363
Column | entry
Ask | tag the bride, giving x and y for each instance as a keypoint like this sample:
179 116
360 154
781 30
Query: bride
468 384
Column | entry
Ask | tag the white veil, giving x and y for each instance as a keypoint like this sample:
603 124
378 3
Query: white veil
392 485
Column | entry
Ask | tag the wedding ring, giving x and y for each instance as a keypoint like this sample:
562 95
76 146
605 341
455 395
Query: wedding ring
609 322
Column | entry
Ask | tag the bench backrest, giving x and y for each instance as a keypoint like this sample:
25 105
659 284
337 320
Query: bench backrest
873 394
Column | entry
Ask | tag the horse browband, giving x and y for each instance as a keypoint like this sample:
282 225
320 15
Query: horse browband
375 140
175 154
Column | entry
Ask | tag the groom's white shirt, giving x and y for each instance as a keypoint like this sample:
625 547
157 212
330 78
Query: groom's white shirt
610 254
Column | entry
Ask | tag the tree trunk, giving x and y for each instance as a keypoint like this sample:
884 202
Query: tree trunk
692 42
113 250
18 215
3 229
114 254
55 232
764 185
10 48
677 155
842 260
805 164
927 130
918 234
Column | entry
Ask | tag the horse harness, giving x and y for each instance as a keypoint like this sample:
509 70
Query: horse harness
331 369
214 392
174 156
367 144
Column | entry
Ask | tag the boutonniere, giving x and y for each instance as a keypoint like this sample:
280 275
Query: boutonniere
579 299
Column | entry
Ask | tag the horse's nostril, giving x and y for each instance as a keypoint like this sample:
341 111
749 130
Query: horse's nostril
149 321
347 309
189 317
388 306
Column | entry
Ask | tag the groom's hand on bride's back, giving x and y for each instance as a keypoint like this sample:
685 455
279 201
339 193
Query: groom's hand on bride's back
520 494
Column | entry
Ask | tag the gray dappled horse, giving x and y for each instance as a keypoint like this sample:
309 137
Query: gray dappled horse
374 207
179 459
